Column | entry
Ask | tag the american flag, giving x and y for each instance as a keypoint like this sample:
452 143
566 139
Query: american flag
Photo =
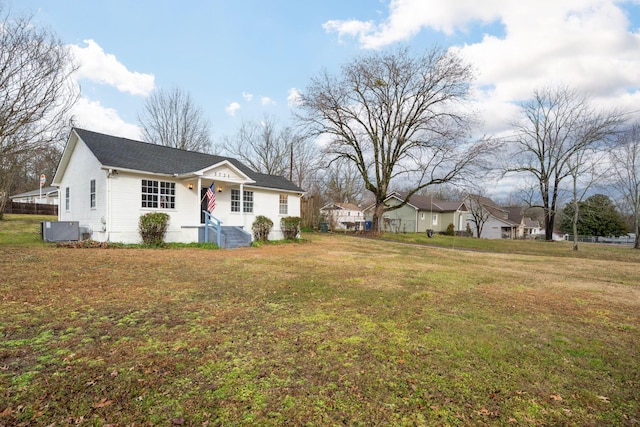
211 197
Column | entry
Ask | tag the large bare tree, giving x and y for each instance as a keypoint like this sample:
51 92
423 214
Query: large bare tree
557 124
36 95
625 168
395 116
172 118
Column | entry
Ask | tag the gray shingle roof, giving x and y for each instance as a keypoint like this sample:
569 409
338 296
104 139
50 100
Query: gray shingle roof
425 203
123 153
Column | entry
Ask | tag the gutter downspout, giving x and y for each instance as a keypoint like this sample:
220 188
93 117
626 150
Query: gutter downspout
242 205
198 199
107 221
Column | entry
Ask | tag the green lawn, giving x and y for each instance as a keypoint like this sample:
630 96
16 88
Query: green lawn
336 330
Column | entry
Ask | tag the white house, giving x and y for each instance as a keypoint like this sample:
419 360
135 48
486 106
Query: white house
343 216
500 222
106 183
46 195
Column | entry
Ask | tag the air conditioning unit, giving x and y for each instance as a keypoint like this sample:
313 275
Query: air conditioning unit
60 231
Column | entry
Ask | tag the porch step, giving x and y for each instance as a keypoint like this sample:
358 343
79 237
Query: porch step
231 237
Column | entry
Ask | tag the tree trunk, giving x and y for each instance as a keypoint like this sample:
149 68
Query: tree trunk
575 225
548 227
377 216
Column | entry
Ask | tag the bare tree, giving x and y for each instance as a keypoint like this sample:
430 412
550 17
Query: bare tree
625 159
585 171
558 123
475 202
171 118
343 183
395 116
36 95
268 148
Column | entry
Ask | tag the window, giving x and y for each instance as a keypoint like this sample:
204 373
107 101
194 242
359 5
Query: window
247 200
158 194
284 205
92 193
66 199
434 219
235 200
422 215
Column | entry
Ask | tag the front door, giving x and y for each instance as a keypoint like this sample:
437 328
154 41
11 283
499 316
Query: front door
203 203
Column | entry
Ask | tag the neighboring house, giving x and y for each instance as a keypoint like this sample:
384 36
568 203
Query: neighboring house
502 222
527 228
48 196
421 213
106 183
343 216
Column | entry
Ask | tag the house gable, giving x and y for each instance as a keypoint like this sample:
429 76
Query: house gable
225 170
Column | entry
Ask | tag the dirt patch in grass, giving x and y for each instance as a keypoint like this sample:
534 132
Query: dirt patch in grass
333 331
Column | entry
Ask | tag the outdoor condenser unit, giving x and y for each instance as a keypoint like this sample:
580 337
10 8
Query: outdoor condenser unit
60 231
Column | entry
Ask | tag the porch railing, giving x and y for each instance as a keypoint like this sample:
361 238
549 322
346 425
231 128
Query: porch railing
210 220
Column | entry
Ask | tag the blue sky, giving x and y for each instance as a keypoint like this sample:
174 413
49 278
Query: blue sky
242 59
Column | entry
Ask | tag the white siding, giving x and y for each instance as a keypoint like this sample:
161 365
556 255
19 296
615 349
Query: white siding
126 209
82 168
119 202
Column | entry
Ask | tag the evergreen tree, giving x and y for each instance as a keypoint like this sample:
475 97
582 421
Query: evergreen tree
597 217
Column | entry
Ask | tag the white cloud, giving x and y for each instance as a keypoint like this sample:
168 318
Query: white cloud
265 100
351 27
93 116
587 44
293 100
247 96
232 108
98 66
407 17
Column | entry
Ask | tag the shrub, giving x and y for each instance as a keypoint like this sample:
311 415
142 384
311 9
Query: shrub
290 227
152 227
261 228
451 230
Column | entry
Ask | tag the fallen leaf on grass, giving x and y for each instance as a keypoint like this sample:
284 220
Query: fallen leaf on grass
102 403
556 397
605 399
487 413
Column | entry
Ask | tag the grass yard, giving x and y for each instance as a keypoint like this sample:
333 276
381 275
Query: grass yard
336 330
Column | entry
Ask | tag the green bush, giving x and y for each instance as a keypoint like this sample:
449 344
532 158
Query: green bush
290 227
451 230
261 228
152 227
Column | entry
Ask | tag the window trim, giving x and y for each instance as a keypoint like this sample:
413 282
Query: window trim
156 194
283 207
92 194
247 201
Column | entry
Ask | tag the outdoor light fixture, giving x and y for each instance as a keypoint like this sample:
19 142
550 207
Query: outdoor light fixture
219 189
190 186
